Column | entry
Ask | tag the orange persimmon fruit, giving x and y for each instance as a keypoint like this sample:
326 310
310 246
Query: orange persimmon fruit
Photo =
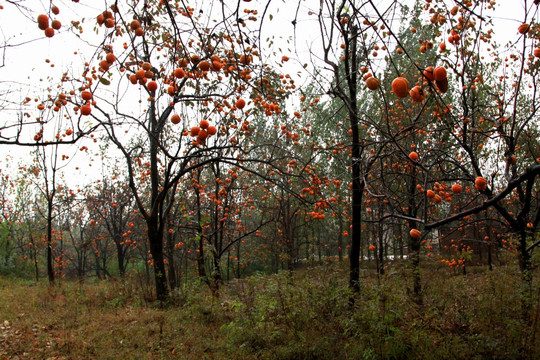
439 73
110 58
204 65
442 85
86 110
456 188
480 183
86 95
43 21
428 73
49 32
56 25
179 73
204 124
240 104
175 119
415 233
400 86
372 83
212 130
152 86
524 28
417 94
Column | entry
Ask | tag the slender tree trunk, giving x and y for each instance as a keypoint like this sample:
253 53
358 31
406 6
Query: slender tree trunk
201 259
155 237
340 239
525 266
351 75
414 255
524 258
7 249
380 262
357 196
96 259
228 264
171 266
306 255
120 257
238 261
319 248
36 267
414 244
400 244
216 273
34 257
50 270
490 260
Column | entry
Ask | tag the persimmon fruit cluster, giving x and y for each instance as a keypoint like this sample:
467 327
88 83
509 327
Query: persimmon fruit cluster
43 24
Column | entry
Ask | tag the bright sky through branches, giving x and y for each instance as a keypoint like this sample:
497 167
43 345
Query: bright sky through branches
33 63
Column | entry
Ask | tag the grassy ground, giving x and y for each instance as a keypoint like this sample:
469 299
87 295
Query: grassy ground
303 316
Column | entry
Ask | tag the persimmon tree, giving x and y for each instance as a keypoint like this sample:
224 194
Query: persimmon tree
76 226
44 171
29 224
493 119
222 217
170 85
344 51
111 204
10 215
33 100
446 110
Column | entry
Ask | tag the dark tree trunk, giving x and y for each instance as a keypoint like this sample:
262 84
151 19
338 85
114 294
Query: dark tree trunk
120 256
36 267
380 262
351 76
238 262
201 259
414 254
525 266
490 260
228 265
155 237
356 233
340 240
217 279
98 267
524 258
400 244
50 270
171 266
414 244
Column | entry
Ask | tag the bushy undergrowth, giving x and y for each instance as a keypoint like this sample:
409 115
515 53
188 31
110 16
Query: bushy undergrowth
306 314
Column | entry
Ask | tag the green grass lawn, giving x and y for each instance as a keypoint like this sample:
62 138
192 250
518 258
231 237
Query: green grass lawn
305 315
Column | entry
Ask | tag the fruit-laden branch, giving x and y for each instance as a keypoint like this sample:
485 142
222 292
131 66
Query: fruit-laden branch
244 235
528 175
78 135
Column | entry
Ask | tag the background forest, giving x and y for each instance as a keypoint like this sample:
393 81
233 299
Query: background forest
280 180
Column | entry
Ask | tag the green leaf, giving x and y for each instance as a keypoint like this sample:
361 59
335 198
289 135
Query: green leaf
104 81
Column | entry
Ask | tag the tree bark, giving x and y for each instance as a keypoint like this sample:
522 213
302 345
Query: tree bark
50 270
120 257
155 238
